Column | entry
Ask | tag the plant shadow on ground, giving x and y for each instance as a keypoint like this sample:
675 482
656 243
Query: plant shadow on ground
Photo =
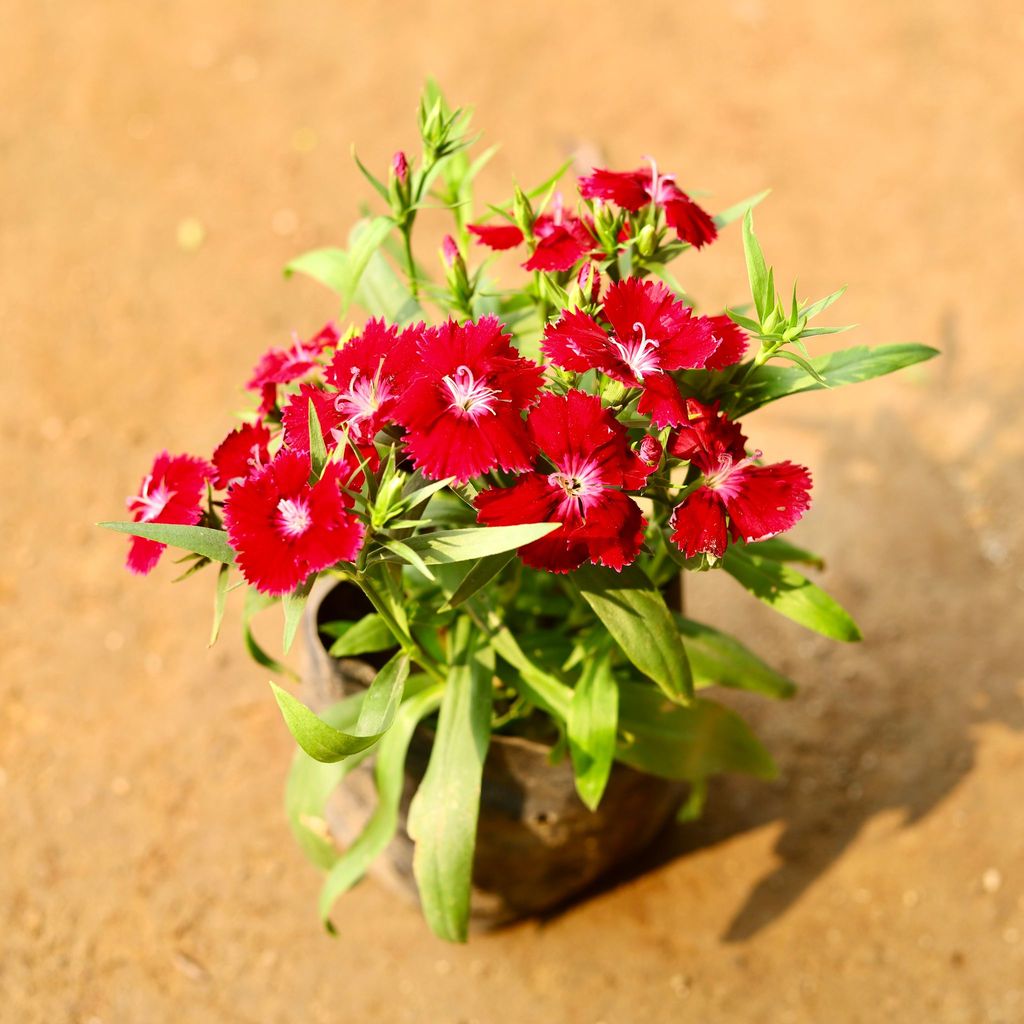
893 729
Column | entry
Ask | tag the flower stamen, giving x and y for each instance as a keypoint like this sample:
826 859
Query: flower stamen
470 395
293 517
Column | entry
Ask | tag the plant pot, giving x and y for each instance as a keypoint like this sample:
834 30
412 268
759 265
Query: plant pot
537 844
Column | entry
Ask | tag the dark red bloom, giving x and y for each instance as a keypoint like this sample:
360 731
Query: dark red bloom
633 190
759 501
561 239
283 528
369 372
464 401
242 451
170 493
283 365
652 333
592 467
733 347
295 418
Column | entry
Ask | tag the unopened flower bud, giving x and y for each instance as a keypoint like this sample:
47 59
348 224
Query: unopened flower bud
522 212
589 282
646 241
400 167
449 250
650 451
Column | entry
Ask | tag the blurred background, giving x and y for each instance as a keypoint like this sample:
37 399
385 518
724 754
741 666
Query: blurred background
160 162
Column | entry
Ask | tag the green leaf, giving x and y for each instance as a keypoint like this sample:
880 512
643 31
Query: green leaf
293 605
687 743
635 613
407 554
317 447
444 547
367 636
790 594
761 289
849 366
718 659
327 266
479 574
443 815
255 602
220 601
390 778
324 742
382 292
212 544
311 782
366 238
378 185
593 717
805 364
811 311
781 550
538 686
737 210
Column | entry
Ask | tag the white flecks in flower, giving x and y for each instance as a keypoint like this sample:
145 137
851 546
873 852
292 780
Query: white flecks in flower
640 354
152 499
470 395
293 516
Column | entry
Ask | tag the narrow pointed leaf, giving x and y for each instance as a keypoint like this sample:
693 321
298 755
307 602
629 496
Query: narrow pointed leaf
718 659
324 742
479 575
790 594
327 266
220 601
686 743
635 613
255 602
447 546
811 311
443 815
593 717
737 210
317 447
757 270
849 366
367 636
782 550
293 604
389 774
212 544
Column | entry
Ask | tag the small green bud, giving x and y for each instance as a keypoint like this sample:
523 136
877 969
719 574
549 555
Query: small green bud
646 241
522 212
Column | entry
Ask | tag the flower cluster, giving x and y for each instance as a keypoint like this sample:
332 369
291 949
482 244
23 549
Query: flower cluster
458 402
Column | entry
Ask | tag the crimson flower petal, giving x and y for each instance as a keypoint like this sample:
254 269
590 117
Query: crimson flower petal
244 449
497 236
699 524
692 223
765 500
733 347
628 189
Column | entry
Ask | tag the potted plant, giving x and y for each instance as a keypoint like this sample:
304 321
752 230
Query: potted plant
478 505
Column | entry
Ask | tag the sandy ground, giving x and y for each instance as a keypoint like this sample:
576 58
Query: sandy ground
146 872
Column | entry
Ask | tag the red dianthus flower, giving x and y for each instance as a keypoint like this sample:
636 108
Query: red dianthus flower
592 467
170 493
760 501
242 451
652 333
283 528
633 190
462 407
561 239
283 365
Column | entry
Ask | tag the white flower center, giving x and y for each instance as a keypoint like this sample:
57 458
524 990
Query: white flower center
364 397
723 479
153 503
640 354
293 517
580 480
469 395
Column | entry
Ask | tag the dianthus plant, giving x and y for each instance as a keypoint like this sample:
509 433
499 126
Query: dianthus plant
516 478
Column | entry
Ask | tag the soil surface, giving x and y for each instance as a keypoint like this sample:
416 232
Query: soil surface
161 162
